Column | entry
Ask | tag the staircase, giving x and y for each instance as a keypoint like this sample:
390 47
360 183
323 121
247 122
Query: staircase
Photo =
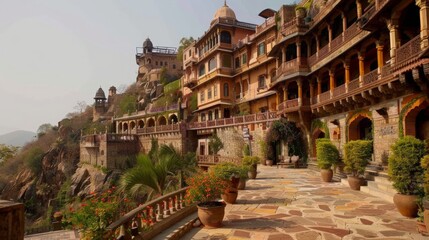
380 187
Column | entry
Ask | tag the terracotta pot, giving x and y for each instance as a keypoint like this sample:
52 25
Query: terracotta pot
242 184
230 195
211 213
269 162
234 182
426 219
355 182
326 174
252 172
406 204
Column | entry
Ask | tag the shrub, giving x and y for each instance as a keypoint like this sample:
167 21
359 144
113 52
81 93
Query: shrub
251 160
94 215
425 165
405 170
246 150
327 153
33 160
215 144
357 155
226 170
263 150
205 187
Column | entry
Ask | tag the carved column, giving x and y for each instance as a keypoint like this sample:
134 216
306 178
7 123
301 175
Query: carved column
311 91
284 93
299 83
330 35
392 25
319 88
298 51
347 74
424 22
331 81
380 60
361 57
359 9
283 55
343 16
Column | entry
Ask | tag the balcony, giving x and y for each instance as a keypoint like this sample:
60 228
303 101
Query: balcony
370 18
170 128
294 105
294 26
221 71
190 81
235 121
290 67
334 45
407 53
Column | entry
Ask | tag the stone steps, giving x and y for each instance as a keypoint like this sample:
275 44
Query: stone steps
381 187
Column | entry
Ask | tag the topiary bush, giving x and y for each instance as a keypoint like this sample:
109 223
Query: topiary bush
251 160
327 153
227 170
405 170
424 163
357 155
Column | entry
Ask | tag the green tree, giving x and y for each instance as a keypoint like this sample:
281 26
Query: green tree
7 152
183 44
215 144
43 129
128 104
187 162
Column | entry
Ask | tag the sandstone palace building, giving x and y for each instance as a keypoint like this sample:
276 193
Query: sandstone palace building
343 69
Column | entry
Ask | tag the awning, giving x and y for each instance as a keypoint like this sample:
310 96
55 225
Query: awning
212 105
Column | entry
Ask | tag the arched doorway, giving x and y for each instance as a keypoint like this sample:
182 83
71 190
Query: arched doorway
151 122
162 121
173 119
140 124
416 120
318 133
360 128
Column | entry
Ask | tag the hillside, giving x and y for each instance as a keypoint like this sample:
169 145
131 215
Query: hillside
17 138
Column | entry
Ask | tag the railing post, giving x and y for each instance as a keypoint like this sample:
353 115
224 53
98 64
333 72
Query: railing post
160 210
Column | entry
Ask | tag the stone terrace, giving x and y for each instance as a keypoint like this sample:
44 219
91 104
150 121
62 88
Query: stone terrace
295 204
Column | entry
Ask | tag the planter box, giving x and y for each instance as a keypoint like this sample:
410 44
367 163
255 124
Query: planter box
11 220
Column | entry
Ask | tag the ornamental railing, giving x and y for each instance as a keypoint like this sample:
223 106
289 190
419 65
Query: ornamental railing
149 219
234 121
408 51
159 129
216 159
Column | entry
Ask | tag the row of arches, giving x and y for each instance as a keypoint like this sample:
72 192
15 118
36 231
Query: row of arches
127 126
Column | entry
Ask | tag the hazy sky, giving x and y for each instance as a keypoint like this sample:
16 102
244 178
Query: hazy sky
56 53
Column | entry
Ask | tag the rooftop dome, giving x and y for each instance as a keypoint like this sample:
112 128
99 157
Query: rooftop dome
224 12
147 44
100 94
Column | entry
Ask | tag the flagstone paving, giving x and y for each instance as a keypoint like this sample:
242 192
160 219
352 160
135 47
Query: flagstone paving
295 204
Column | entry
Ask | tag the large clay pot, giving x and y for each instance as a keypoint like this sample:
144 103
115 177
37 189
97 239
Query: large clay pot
326 174
211 213
242 184
230 195
355 182
252 172
234 182
269 162
406 204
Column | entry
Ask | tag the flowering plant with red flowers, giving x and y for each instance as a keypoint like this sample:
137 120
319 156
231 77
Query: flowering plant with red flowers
205 187
94 214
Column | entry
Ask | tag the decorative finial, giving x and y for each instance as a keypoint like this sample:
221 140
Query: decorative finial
224 3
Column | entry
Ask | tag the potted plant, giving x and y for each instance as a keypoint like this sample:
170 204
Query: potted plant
252 163
357 155
425 165
263 151
300 12
327 155
205 190
229 172
244 170
406 173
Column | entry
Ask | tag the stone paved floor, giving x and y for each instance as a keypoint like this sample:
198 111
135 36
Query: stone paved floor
57 235
288 204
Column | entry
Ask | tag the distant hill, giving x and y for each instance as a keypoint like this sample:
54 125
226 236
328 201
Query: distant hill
17 138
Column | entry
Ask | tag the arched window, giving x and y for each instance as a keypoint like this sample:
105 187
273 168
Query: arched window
225 37
226 89
202 70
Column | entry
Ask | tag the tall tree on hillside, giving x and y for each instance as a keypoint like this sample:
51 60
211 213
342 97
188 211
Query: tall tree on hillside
183 44
7 152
